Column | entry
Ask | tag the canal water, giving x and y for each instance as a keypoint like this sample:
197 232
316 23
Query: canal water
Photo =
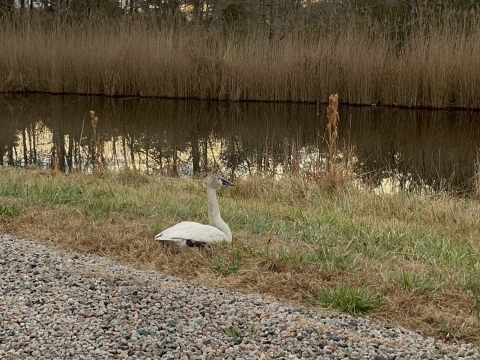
405 148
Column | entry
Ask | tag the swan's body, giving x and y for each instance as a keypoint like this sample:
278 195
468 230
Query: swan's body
192 233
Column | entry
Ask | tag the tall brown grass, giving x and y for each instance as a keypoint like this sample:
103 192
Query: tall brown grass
431 62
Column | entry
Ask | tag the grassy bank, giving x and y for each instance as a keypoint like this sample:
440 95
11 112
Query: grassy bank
428 62
408 259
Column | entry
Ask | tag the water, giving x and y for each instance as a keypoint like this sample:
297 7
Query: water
393 148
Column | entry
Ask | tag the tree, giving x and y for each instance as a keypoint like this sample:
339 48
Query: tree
7 6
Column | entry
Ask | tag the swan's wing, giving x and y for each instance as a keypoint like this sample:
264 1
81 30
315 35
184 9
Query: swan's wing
188 230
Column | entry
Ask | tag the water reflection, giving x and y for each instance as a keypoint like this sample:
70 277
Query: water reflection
173 137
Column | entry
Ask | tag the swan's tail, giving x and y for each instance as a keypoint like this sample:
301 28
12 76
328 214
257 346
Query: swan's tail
179 242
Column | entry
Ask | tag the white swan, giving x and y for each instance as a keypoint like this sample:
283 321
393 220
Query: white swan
194 234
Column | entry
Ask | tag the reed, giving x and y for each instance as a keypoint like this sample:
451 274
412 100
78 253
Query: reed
429 62
476 176
332 127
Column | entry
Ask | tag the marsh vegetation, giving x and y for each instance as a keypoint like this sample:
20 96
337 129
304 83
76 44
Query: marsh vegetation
424 58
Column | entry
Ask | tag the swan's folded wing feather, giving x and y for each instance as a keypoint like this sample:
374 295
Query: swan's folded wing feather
188 230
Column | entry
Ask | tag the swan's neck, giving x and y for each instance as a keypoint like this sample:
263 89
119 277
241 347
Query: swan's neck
214 217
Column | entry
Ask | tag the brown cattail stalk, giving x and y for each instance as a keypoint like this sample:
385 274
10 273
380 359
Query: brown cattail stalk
332 127
477 176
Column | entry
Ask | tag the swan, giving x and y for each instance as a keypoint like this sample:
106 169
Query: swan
189 233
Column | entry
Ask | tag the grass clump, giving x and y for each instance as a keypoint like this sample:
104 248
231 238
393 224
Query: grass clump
237 332
352 300
419 283
227 264
132 177
9 210
233 332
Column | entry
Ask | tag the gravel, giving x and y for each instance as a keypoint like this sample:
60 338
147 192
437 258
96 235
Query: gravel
55 304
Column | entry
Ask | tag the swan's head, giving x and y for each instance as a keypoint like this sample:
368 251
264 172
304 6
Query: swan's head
214 181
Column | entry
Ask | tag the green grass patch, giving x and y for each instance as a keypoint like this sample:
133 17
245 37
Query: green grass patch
233 332
229 263
352 300
419 283
329 258
10 210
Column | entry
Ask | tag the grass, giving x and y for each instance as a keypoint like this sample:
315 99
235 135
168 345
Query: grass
230 265
419 283
429 62
9 210
410 259
352 300
236 332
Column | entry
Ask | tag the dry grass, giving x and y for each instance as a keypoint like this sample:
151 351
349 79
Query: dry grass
292 239
429 62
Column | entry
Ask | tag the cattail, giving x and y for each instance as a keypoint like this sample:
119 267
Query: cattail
332 127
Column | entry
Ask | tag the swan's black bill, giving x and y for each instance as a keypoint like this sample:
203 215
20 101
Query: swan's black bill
227 183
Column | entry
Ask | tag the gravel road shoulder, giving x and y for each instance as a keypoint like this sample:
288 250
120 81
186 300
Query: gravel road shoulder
55 304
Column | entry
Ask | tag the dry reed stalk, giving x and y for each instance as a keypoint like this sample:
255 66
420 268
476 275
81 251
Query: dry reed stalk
476 185
332 126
